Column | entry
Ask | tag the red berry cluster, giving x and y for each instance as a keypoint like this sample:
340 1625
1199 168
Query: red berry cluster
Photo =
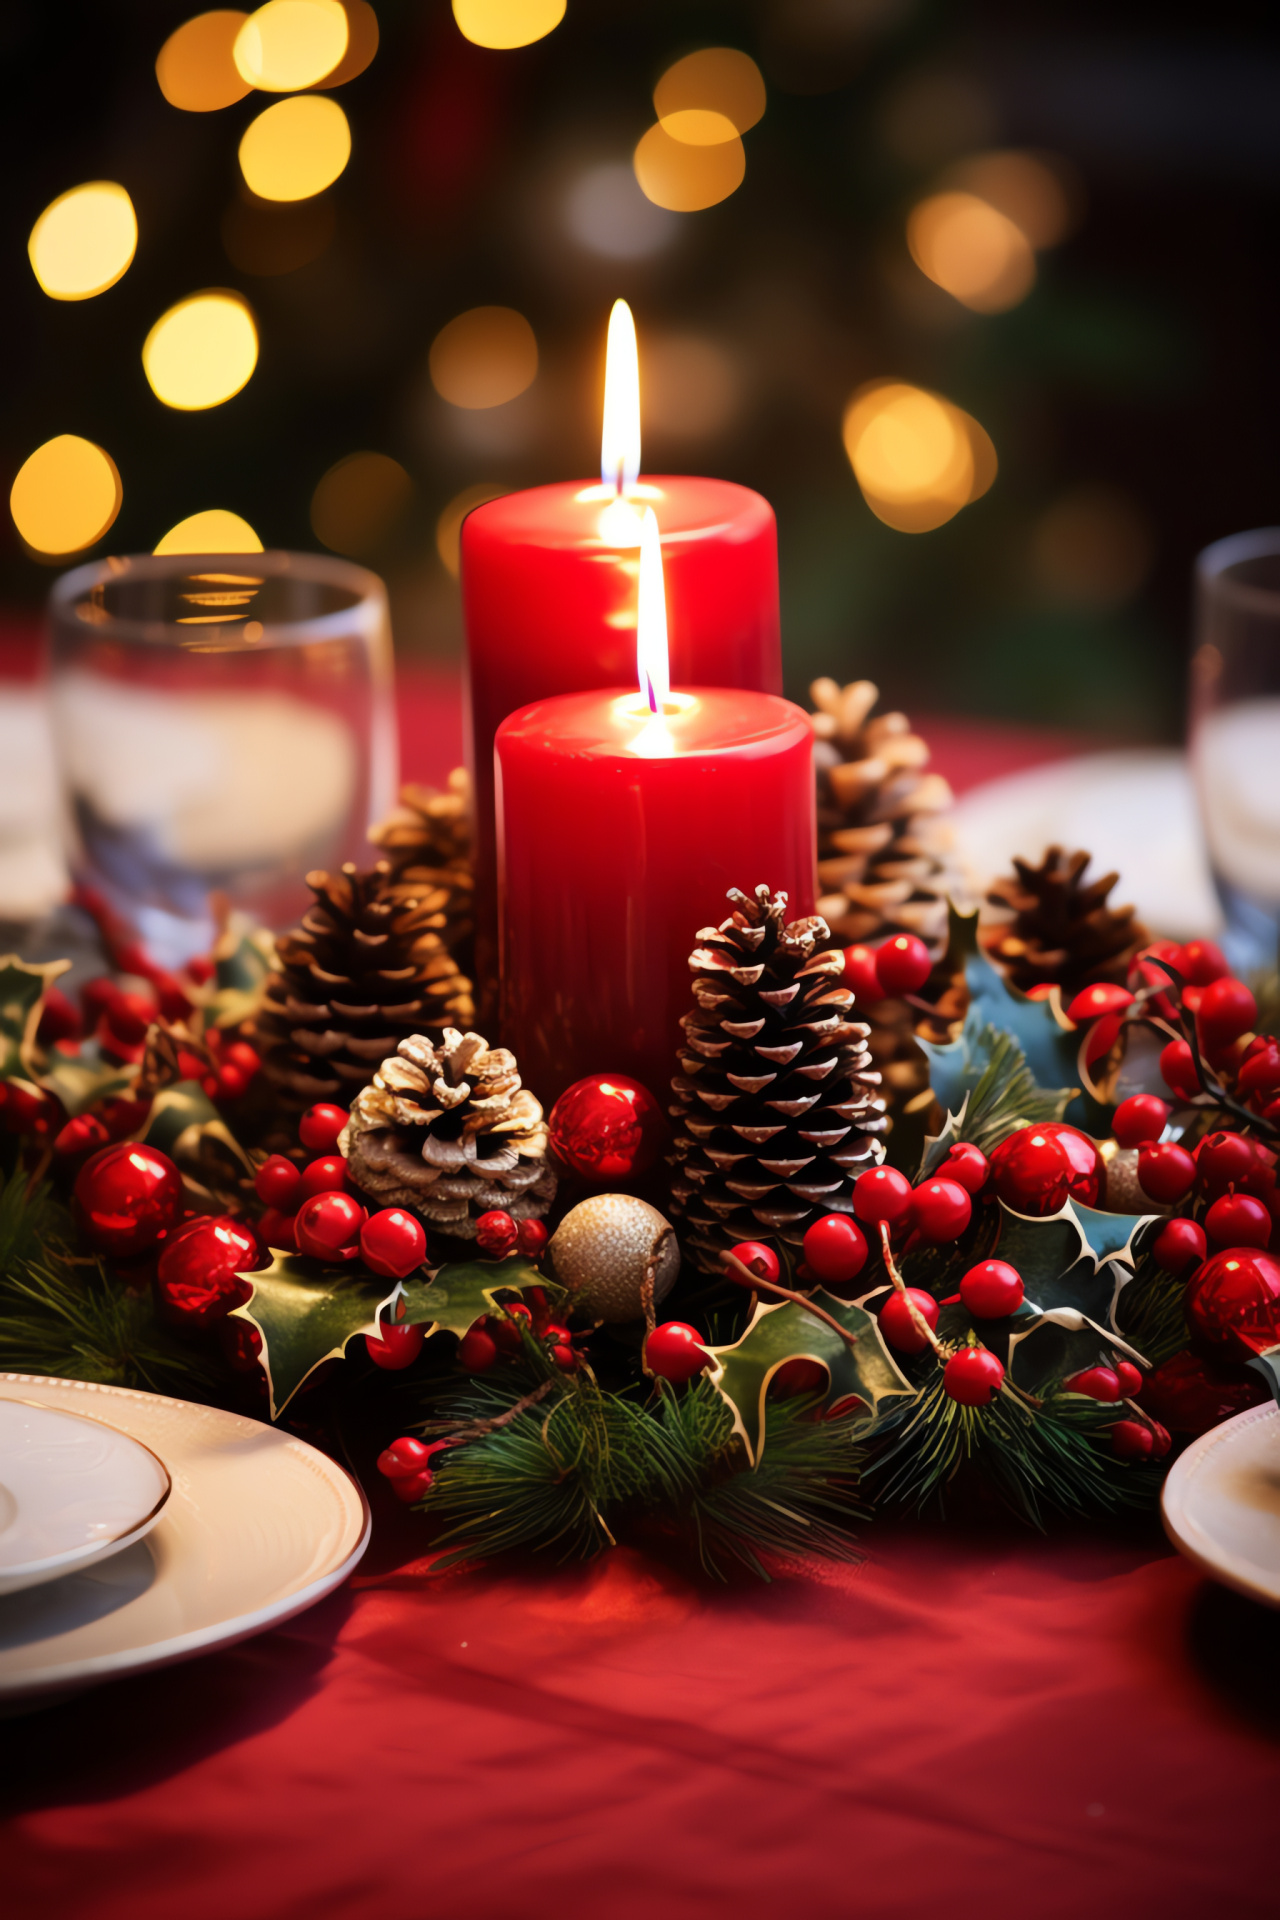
503 1334
311 1209
498 1235
900 966
406 1463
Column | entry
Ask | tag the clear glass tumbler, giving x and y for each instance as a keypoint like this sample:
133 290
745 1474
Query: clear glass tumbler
1235 736
223 723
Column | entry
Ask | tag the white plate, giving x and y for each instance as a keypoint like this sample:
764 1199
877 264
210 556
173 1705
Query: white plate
1221 1503
72 1492
258 1527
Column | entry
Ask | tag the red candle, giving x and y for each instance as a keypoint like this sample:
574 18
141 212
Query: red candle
620 829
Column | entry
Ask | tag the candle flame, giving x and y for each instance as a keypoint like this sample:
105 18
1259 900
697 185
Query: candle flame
653 668
620 440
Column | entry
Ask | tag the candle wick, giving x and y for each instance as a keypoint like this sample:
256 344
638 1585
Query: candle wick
653 698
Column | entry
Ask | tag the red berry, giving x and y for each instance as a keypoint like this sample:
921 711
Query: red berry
1140 1119
326 1175
393 1243
1233 1302
277 1229
241 1054
991 1290
860 975
59 1019
973 1377
278 1183
504 1328
940 1210
28 1109
834 1250
967 1164
881 1193
241 1343
1227 1010
1129 1377
903 964
1166 1171
84 1134
531 1238
320 1126
1223 1160
564 1357
897 1324
1238 1220
1132 1440
404 1457
1161 1440
1092 1002
1178 1070
1201 962
675 1352
797 1376
127 1196
328 1226
232 1082
496 1233
1260 1072
762 1261
1180 1244
198 1273
477 1351
398 1347
1099 1383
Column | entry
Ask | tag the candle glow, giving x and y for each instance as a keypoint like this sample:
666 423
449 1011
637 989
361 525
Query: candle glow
620 439
653 669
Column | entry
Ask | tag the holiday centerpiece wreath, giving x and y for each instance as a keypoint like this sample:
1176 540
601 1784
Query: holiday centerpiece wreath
1013 1233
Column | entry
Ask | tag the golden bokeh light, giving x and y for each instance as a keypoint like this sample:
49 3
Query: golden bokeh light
360 502
917 458
196 66
1093 547
362 44
719 81
449 525
484 358
202 351
296 148
84 241
698 127
216 530
972 251
66 495
507 23
686 178
289 44
1037 192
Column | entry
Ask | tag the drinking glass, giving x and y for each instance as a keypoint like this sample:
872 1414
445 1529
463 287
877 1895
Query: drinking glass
1235 736
222 723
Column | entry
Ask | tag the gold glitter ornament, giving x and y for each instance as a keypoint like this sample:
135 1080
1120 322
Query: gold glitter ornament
602 1250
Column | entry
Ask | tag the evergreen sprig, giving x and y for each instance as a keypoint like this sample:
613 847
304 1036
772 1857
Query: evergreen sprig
1004 1094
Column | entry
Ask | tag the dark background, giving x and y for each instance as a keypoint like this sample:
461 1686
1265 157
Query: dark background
1142 365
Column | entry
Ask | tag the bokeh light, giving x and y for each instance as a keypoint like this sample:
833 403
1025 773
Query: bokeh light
362 44
266 237
449 525
196 66
606 212
84 241
507 23
1093 548
202 351
698 127
693 386
296 148
1038 192
917 458
972 251
719 81
289 44
360 503
688 178
65 496
216 530
484 358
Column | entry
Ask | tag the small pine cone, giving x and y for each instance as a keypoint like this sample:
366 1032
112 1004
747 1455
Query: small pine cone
776 1107
427 843
1056 928
447 1129
366 968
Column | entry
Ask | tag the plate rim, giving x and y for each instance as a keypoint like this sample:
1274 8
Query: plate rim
1189 1537
68 1675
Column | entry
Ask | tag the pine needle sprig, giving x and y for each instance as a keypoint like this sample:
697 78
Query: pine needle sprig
1151 1313
1004 1094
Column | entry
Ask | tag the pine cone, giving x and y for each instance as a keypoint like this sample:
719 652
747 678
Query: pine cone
1061 929
448 1130
427 843
776 1109
366 968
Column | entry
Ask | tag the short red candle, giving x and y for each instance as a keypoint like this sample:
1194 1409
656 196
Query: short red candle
550 606
619 835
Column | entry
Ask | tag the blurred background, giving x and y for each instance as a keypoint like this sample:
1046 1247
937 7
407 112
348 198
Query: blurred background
981 296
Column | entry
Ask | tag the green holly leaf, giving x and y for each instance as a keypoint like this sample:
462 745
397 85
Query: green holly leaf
1000 1095
22 991
242 966
84 1080
462 1292
1076 1258
741 1373
182 1117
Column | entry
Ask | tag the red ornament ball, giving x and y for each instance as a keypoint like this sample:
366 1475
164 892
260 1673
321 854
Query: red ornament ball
1140 1119
1192 1394
991 1290
1180 1245
968 1165
834 1250
607 1127
278 1183
973 1377
127 1197
393 1243
1227 1009
903 964
197 1277
1132 1440
1099 1383
897 1323
1178 1070
881 1193
320 1126
1166 1172
860 976
675 1352
399 1346
1233 1302
940 1210
326 1175
1238 1220
328 1226
762 1261
84 1134
1037 1168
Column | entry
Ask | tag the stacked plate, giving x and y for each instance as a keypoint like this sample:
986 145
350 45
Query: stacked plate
136 1531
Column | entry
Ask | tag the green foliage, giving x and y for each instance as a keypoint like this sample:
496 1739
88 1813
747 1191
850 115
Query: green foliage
1149 1312
1002 1095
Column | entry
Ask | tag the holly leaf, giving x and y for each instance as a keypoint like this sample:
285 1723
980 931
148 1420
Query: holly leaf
462 1292
181 1117
1076 1258
1054 1345
741 1373
243 962
22 991
84 1080
1000 1096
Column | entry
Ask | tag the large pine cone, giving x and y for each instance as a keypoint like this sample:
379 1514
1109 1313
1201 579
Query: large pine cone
427 842
448 1130
1056 928
777 1110
366 968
